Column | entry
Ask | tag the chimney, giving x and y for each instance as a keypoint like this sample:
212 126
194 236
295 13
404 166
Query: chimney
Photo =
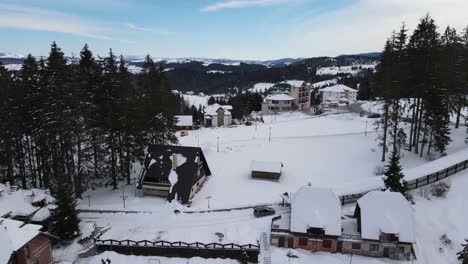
174 161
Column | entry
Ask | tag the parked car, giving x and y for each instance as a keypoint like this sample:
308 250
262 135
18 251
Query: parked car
373 116
183 133
262 211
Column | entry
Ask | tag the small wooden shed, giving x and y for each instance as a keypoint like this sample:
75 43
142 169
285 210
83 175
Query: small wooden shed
269 170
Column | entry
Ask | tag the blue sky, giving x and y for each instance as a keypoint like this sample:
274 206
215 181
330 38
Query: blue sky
236 29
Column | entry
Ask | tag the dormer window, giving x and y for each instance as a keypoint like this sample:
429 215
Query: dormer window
315 231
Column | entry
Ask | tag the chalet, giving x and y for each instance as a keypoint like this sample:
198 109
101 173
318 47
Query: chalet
217 115
184 122
285 96
314 223
385 224
175 172
266 170
24 244
337 92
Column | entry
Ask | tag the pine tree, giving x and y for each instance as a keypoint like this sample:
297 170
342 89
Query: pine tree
463 254
65 219
394 178
211 100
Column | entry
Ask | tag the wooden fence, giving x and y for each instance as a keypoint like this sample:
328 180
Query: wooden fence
416 183
248 252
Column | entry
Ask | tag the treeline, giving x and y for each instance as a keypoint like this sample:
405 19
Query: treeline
81 124
422 80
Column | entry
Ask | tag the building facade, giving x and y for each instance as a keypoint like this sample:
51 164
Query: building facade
217 115
292 95
336 93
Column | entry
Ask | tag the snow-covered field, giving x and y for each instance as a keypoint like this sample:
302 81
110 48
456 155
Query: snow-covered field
327 151
354 69
261 87
196 100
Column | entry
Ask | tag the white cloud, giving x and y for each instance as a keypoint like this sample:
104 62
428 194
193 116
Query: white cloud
365 25
144 29
241 4
20 17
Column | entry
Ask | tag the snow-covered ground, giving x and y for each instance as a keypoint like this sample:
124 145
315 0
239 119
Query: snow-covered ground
354 69
261 87
329 151
196 100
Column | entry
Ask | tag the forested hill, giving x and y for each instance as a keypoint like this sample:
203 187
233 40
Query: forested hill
220 75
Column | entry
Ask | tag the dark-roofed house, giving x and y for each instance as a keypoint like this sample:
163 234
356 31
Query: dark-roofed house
175 172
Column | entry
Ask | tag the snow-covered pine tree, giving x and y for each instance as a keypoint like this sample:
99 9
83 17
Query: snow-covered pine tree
463 254
394 178
65 221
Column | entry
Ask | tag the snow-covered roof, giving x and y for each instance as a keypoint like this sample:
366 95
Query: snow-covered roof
266 166
41 215
17 203
386 212
184 120
295 83
316 208
338 88
280 97
212 110
12 237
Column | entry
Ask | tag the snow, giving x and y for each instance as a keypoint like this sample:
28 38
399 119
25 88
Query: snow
354 69
338 88
261 87
196 100
13 67
184 120
18 236
211 110
280 97
6 245
386 212
266 166
295 83
325 83
215 71
173 179
315 208
134 69
16 203
41 215
124 259
240 227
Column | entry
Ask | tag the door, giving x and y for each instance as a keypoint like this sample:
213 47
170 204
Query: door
386 252
290 242
281 241
339 246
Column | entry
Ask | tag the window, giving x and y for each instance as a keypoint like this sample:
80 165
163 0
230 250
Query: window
303 241
274 102
374 247
356 246
316 231
327 243
27 251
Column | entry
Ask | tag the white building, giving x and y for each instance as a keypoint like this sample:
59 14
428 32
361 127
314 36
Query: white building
217 115
337 92
289 95
184 121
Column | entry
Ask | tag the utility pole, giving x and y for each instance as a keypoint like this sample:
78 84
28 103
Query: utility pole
218 145
365 133
123 196
269 135
208 199
89 200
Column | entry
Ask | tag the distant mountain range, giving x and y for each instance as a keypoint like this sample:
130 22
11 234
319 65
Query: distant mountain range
210 75
11 58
